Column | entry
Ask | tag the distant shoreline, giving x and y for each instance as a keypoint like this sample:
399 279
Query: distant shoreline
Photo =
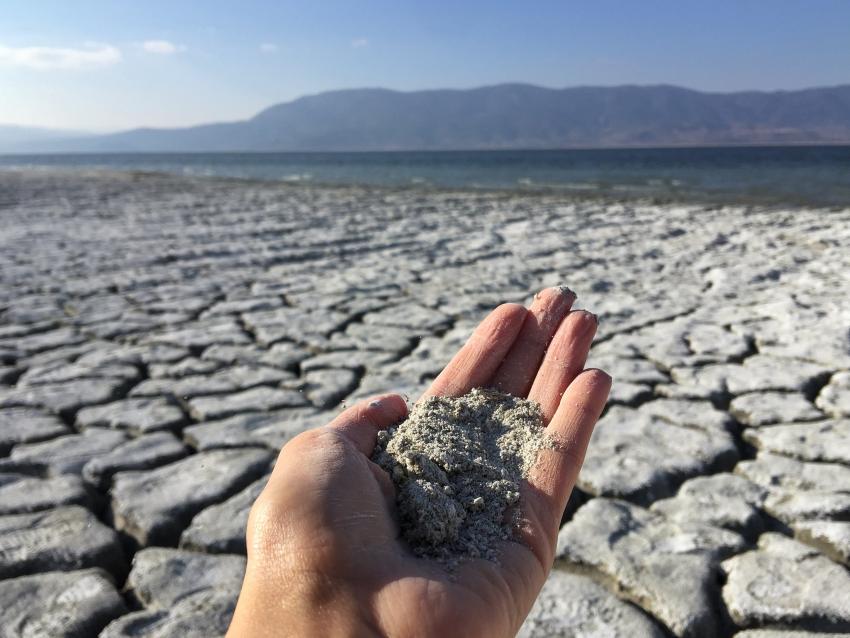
540 192
553 149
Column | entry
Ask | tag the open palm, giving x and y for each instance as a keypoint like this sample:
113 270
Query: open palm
324 552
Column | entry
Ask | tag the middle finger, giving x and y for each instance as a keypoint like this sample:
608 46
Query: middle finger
516 373
564 359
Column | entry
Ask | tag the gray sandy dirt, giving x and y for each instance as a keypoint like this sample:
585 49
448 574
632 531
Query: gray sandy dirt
457 464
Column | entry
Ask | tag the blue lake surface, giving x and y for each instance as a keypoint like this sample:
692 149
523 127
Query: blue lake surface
807 175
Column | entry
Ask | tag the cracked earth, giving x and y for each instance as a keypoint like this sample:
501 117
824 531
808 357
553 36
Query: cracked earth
161 338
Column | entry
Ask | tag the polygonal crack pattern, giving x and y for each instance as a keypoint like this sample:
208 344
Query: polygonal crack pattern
162 337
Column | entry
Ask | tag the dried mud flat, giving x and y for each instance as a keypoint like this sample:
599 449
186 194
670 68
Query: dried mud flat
161 338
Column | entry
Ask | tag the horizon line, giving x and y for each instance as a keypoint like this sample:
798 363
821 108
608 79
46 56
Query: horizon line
553 149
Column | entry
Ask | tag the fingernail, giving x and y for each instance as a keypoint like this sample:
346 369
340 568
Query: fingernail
564 290
590 322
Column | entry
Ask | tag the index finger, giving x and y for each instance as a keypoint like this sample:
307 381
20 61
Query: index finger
477 361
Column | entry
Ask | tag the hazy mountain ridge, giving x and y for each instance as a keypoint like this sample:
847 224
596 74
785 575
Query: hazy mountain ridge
507 116
13 134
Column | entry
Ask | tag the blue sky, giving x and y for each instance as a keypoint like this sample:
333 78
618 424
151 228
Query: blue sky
104 65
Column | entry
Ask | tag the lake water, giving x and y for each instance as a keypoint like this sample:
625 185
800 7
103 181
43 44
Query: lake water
774 175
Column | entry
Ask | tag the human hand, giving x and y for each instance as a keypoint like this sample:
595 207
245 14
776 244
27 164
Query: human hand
324 553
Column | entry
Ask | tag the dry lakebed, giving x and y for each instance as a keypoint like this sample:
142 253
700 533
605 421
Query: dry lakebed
162 337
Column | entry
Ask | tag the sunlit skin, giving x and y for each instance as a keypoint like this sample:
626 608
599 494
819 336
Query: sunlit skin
324 553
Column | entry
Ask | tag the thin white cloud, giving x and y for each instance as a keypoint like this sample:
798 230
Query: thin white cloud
91 55
359 43
162 47
268 47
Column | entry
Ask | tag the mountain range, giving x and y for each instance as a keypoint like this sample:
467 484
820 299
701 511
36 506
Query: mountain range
23 136
505 116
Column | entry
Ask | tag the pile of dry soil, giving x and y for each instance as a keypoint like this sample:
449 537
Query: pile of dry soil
457 464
